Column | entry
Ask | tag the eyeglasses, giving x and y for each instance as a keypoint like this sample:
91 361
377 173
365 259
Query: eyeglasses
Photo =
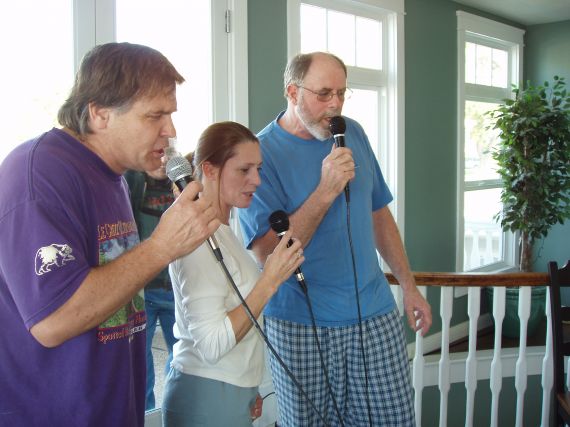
327 95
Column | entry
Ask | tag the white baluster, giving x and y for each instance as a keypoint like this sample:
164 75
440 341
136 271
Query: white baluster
547 376
488 246
475 255
418 371
473 310
496 380
446 309
521 367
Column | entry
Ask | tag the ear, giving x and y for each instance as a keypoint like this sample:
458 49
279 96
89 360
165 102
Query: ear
209 171
292 93
98 116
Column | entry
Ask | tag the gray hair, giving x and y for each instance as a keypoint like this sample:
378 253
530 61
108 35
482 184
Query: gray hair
299 65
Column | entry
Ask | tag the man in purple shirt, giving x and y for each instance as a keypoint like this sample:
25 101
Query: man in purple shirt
73 322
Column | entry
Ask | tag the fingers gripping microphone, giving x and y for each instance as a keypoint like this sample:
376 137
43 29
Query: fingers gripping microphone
279 222
179 171
337 127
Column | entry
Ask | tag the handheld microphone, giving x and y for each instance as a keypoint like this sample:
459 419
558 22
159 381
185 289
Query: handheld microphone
279 222
179 171
337 127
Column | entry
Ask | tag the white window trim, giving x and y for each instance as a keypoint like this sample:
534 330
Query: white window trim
394 150
230 68
94 23
471 27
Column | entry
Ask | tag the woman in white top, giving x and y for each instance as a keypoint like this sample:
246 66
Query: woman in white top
218 362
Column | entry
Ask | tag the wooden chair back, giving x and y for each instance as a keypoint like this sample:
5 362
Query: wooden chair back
560 316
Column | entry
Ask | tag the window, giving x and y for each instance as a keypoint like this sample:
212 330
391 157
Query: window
368 36
46 65
169 23
38 70
490 62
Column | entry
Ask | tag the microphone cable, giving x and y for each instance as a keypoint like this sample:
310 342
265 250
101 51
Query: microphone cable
279 222
179 171
323 365
360 331
337 127
218 254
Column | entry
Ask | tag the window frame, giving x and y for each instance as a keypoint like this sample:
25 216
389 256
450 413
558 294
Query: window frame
94 23
391 124
483 31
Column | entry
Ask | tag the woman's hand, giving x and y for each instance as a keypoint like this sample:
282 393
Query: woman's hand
278 267
256 409
283 261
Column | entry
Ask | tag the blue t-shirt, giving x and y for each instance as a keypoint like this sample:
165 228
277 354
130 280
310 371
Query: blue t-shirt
290 173
62 212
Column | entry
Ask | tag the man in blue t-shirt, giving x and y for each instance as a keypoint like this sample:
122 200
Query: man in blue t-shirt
73 342
357 321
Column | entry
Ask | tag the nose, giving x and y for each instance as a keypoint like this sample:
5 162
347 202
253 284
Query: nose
336 102
168 128
256 179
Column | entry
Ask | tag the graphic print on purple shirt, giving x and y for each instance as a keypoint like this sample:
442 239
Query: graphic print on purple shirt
114 239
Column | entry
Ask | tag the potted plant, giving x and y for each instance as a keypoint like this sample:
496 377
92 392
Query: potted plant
533 158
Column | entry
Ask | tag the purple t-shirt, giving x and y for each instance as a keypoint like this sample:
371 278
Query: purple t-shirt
62 212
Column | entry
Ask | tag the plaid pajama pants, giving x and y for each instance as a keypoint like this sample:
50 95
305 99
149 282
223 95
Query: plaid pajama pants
389 385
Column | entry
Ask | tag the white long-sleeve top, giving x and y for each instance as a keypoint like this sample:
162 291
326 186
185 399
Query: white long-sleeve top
203 297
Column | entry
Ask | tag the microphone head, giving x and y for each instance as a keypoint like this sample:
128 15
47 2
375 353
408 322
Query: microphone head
279 221
177 168
337 125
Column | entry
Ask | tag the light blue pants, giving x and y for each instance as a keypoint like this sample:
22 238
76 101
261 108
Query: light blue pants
191 401
159 305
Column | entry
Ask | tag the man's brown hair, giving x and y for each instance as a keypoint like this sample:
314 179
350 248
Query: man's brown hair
116 75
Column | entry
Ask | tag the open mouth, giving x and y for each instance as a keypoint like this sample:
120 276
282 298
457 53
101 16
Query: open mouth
158 153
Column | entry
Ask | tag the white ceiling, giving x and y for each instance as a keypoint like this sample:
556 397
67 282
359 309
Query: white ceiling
527 12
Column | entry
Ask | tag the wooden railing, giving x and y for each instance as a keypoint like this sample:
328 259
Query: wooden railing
475 282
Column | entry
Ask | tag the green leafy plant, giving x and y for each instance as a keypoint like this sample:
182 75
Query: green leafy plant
533 159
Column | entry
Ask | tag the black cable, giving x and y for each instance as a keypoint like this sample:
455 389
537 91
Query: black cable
279 222
218 254
267 395
361 333
323 365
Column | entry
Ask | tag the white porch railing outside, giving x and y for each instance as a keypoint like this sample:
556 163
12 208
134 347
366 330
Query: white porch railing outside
482 244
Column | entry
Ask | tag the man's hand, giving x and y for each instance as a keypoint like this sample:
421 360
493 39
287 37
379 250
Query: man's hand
185 224
336 171
418 310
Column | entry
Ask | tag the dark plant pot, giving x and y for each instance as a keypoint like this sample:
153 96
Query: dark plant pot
511 323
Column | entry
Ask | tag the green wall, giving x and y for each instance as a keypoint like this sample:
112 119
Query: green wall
457 397
431 117
431 128
547 53
267 52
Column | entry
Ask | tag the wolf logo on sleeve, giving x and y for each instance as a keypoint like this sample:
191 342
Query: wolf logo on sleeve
53 254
